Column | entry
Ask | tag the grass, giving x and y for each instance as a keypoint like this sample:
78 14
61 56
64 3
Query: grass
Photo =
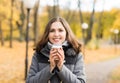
12 60
115 76
101 54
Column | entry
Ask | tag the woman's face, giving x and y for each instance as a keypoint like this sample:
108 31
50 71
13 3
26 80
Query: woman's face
57 34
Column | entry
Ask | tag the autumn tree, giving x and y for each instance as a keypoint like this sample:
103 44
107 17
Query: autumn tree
35 28
99 29
20 23
89 31
11 25
3 16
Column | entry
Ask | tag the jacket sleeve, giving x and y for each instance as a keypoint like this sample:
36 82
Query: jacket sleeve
36 76
78 74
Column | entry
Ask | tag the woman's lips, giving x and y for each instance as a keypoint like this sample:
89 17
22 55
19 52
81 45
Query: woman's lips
56 39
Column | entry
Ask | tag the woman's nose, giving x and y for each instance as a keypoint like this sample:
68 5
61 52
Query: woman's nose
56 33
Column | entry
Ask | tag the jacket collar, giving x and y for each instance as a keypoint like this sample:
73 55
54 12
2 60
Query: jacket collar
46 50
65 43
68 50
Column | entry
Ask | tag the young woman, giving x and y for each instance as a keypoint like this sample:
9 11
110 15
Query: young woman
57 65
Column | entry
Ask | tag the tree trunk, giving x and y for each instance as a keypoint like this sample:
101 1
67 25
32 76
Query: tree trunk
56 8
36 23
1 35
80 12
49 10
11 25
22 18
81 19
89 31
99 30
70 15
20 23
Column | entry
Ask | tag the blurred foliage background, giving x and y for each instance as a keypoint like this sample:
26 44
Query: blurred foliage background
103 28
101 24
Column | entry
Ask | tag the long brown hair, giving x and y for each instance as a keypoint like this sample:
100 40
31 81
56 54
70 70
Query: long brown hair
70 37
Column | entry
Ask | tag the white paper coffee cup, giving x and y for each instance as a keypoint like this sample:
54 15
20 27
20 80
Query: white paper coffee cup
56 46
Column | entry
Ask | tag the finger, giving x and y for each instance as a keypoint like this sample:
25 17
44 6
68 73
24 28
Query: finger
53 51
51 56
61 49
56 58
61 53
59 56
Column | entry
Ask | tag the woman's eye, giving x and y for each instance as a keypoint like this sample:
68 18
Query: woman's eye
60 30
52 30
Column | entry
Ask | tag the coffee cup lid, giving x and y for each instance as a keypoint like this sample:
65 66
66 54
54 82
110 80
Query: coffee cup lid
56 46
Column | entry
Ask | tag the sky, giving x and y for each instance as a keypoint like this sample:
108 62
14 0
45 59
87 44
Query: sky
86 5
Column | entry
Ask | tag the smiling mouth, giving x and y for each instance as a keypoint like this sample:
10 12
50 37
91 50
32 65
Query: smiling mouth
56 39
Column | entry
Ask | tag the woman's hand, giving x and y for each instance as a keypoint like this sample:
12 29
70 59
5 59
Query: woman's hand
53 57
61 56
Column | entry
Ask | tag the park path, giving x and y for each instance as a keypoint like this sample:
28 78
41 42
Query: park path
99 72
